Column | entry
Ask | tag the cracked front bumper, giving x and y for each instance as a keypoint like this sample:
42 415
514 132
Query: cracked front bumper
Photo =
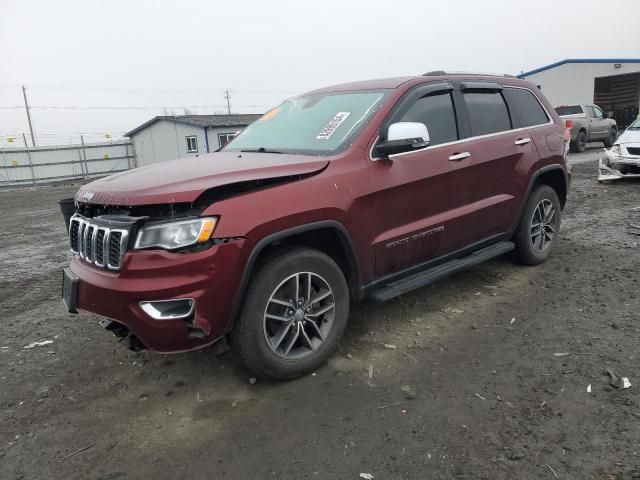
615 167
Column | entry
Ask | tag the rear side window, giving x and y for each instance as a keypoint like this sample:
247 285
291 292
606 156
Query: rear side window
569 110
525 107
488 113
437 113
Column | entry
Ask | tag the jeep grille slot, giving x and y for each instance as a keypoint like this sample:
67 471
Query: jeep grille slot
97 244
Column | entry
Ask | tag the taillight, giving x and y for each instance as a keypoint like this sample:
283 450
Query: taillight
567 131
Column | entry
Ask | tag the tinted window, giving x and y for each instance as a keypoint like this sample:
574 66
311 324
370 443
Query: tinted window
488 113
437 113
569 110
525 106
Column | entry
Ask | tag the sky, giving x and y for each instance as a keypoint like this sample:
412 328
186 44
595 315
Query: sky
102 68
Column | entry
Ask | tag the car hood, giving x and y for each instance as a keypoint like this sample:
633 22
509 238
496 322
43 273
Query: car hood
185 179
629 136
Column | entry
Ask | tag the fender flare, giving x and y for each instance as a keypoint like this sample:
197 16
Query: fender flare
347 244
532 181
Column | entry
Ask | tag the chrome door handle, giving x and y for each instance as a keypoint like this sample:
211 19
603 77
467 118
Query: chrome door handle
456 157
523 141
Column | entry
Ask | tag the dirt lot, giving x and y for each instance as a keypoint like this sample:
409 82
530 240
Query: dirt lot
493 401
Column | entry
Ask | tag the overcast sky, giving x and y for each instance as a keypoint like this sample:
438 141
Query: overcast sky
134 53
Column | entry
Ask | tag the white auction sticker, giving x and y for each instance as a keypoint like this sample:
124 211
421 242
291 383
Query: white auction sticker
333 125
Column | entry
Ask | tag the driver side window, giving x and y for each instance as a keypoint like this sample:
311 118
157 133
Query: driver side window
436 111
597 112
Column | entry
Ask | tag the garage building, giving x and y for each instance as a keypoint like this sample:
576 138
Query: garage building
612 84
169 137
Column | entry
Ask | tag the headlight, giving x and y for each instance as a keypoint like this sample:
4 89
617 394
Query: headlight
616 149
176 234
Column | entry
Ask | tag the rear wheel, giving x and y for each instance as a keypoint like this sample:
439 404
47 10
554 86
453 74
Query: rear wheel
579 145
295 312
611 139
539 226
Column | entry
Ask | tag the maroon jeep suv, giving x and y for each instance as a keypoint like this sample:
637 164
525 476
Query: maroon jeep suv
365 190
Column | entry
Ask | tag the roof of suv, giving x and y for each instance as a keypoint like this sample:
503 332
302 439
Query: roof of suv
395 82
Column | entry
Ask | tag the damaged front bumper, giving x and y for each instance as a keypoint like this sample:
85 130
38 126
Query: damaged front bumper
615 166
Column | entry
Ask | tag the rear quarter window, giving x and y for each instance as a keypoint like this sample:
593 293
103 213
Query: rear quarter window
488 113
569 110
525 107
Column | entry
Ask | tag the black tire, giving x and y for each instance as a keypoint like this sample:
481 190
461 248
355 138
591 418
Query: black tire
526 252
611 139
580 143
251 331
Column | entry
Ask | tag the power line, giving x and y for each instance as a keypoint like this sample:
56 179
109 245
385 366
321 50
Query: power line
132 90
73 107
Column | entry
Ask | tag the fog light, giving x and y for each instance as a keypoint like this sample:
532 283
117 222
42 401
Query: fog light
169 309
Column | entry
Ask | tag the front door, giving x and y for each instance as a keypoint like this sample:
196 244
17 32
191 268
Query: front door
417 194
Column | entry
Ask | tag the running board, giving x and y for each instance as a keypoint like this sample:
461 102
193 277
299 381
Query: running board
426 277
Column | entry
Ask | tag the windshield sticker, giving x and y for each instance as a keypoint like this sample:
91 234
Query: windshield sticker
270 114
333 125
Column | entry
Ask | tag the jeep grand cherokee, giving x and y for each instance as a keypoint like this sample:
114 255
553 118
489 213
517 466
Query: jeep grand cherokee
359 191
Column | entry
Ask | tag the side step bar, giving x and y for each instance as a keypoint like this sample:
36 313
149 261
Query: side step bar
431 275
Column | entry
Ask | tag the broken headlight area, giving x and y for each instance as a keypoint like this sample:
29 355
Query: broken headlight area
617 163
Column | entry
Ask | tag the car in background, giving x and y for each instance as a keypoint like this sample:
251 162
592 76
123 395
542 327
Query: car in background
588 123
623 158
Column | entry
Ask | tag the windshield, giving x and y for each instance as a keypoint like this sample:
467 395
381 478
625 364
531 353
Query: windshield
315 124
569 110
635 125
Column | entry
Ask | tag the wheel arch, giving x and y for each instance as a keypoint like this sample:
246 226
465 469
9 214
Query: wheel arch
328 236
552 175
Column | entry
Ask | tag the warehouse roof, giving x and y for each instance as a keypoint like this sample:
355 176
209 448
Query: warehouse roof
579 60
232 120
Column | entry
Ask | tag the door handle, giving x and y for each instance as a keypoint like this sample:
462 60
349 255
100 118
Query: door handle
456 157
522 141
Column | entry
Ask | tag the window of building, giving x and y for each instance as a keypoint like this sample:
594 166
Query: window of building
488 112
525 107
224 138
438 114
192 143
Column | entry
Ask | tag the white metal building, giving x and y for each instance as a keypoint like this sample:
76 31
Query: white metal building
613 84
169 137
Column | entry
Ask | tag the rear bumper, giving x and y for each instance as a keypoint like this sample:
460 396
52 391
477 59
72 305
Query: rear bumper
210 277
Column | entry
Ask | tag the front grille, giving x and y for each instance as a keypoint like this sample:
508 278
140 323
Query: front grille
633 150
97 244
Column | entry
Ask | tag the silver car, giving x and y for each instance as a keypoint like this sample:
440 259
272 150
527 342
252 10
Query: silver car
623 158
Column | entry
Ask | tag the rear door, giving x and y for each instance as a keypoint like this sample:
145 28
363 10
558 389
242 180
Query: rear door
417 195
498 149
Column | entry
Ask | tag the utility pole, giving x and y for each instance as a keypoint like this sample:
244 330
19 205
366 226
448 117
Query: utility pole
227 97
26 106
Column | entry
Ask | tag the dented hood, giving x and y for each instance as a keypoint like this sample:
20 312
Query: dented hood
185 179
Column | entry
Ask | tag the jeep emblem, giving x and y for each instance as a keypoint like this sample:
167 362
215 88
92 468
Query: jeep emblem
87 196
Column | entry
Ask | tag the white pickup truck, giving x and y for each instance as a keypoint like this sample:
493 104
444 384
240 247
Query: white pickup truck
590 124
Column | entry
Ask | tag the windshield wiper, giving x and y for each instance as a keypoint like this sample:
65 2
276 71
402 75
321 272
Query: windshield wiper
260 150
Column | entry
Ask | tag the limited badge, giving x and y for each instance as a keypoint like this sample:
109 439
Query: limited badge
333 125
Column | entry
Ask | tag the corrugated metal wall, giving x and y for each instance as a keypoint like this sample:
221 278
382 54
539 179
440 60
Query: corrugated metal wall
31 166
574 82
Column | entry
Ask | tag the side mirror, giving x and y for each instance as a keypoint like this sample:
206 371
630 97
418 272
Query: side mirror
608 115
404 137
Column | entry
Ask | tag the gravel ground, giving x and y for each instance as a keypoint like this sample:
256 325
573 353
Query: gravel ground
478 351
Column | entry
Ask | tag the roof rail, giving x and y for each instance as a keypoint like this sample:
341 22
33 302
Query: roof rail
438 73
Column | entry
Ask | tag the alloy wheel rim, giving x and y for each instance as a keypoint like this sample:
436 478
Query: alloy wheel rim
299 315
543 225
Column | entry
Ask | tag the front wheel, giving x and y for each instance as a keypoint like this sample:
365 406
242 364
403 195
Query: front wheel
539 226
294 314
